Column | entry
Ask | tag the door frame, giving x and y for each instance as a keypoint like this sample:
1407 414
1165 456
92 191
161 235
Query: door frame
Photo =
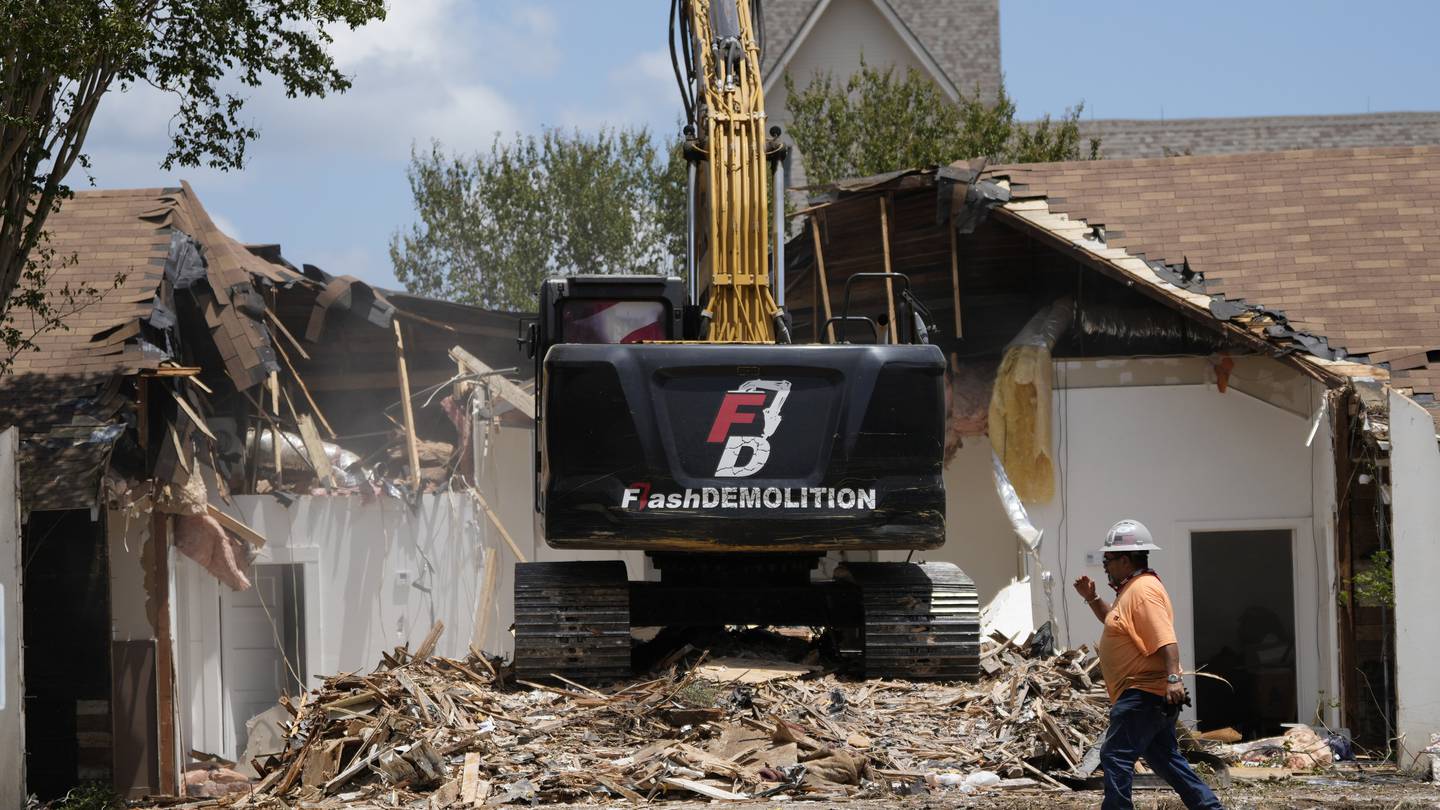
308 558
1312 573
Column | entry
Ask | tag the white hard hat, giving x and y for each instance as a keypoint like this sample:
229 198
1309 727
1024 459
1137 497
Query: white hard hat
1129 535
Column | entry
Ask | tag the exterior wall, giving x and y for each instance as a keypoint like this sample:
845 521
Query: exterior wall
1415 480
846 30
12 684
375 576
1183 457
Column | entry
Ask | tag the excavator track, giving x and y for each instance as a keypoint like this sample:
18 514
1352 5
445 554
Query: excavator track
921 620
572 619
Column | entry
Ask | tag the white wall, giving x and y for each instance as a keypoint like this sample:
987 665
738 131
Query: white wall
1180 458
12 684
375 576
1415 507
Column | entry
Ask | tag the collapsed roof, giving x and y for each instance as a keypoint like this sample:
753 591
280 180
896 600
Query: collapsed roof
216 321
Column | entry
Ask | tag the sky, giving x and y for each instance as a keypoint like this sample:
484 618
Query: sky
326 179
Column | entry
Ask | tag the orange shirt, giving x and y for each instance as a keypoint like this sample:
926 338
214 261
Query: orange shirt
1139 623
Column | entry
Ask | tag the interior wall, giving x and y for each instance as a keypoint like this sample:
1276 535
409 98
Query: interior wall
1182 458
1415 510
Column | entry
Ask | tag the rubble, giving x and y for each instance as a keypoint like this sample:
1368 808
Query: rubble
461 730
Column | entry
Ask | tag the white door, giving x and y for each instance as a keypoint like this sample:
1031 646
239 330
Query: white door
12 693
260 645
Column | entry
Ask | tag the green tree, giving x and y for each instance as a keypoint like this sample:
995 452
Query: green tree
493 225
58 59
876 122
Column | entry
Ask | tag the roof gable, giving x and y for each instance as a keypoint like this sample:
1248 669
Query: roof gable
958 41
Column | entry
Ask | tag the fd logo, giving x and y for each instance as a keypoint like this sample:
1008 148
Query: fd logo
745 455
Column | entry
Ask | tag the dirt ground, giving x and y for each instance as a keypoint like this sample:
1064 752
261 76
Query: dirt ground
1288 795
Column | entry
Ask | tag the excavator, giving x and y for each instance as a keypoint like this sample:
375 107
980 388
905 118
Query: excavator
677 417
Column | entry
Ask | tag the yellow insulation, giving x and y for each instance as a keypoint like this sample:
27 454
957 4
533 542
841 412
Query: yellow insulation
1019 422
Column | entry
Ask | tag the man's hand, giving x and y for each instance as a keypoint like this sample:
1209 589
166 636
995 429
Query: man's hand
1175 694
1085 586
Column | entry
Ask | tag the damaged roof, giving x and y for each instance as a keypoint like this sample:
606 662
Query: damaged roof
1339 247
193 296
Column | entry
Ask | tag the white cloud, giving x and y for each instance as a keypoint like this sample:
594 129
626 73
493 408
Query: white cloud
226 225
639 92
423 72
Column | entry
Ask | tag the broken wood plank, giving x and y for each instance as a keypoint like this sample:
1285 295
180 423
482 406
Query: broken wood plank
955 277
484 606
412 447
190 412
304 389
286 332
495 520
315 448
824 282
502 387
470 778
234 525
274 386
889 282
431 639
708 791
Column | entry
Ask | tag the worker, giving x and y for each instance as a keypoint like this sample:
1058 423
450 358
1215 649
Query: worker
1140 660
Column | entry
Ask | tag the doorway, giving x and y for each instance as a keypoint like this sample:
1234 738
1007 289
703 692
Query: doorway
1244 605
263 646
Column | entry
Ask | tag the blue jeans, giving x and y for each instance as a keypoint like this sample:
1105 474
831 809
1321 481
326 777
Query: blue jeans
1141 726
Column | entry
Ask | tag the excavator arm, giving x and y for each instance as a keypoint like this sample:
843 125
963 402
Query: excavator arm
736 179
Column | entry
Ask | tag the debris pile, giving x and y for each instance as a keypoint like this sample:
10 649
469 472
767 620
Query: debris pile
460 731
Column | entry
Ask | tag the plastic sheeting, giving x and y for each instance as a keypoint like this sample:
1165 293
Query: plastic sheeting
1020 404
294 457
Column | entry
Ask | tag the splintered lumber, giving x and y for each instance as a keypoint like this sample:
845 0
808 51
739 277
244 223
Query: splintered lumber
314 447
503 388
286 332
236 526
190 411
889 282
955 277
484 606
824 282
412 447
274 385
422 730
495 521
304 389
431 639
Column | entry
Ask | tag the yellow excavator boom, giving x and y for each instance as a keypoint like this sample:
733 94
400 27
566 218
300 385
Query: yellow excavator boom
730 127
